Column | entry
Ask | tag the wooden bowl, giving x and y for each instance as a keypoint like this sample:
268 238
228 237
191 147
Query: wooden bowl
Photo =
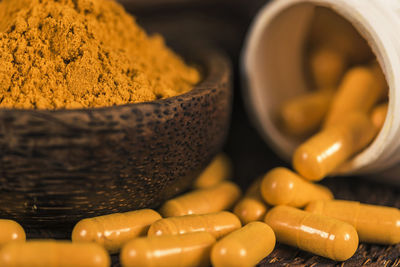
57 167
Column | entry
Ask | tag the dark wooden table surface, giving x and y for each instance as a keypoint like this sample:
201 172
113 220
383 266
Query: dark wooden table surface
344 188
224 23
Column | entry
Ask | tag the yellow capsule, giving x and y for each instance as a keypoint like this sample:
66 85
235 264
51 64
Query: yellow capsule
318 234
218 224
359 91
10 231
251 207
53 254
325 151
219 169
328 29
377 71
113 230
281 186
378 115
304 114
202 201
244 247
188 250
327 67
374 224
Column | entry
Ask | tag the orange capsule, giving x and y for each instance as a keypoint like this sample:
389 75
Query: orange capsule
244 247
114 230
218 224
49 253
251 207
327 67
304 114
281 186
360 90
374 224
378 115
318 234
188 250
220 197
329 29
219 169
325 151
10 231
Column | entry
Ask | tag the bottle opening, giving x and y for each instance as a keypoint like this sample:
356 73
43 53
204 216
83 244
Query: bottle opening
279 65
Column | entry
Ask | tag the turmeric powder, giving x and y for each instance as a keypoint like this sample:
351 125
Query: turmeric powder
57 54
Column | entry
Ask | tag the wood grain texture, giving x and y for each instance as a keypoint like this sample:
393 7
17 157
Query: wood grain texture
57 167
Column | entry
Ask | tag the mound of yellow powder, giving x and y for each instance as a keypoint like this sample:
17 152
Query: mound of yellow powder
82 53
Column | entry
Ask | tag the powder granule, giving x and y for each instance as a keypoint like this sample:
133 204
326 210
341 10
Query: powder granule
82 53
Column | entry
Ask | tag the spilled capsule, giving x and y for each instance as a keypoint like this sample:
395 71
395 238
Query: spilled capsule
281 186
113 230
318 234
218 170
48 253
325 151
304 114
10 231
187 250
374 224
251 207
244 247
202 201
218 224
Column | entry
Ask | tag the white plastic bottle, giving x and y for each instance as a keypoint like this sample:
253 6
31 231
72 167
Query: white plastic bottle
273 72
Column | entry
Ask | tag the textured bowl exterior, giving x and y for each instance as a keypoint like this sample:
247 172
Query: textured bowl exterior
57 167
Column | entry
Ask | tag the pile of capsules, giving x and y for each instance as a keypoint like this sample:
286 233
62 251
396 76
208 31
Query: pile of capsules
347 105
197 228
